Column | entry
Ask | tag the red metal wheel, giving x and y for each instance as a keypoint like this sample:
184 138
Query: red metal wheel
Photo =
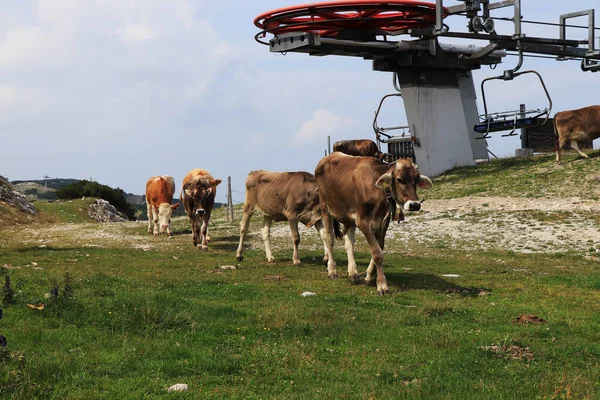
330 18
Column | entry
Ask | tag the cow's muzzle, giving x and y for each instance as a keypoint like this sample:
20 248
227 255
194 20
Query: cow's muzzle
412 205
200 212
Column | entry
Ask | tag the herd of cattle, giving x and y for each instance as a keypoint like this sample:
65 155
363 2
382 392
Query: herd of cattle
351 187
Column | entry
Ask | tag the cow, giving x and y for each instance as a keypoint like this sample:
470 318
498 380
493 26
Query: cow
354 191
359 147
574 126
159 196
281 196
198 192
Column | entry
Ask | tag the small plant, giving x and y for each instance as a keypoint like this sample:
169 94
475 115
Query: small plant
67 290
54 291
7 292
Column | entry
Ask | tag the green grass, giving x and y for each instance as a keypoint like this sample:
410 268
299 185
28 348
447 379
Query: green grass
140 321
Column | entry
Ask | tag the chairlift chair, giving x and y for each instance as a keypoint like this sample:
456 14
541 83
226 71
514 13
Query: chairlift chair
512 120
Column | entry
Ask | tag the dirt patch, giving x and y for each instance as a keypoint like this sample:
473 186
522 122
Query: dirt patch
529 319
510 352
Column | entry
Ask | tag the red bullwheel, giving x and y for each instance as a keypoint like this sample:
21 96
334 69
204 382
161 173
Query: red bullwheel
330 18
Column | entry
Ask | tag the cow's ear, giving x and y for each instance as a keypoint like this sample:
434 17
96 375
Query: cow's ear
424 182
175 206
209 190
384 180
188 192
214 182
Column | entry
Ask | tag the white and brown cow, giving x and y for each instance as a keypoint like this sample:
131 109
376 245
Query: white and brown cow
359 147
353 191
574 126
159 196
198 192
281 196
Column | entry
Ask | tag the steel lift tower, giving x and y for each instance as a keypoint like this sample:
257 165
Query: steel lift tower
434 78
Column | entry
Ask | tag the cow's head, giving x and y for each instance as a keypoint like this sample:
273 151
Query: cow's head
197 191
403 178
165 211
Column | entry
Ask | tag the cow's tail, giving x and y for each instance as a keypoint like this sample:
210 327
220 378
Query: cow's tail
337 231
556 139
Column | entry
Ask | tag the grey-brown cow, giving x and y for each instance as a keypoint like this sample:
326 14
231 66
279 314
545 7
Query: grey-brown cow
353 191
198 192
281 196
574 126
359 147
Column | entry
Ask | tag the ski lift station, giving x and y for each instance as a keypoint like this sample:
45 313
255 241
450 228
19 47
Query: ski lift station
431 66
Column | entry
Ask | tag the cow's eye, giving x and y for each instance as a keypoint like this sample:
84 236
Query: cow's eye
400 181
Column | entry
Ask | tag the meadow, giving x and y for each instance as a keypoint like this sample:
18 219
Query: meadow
126 315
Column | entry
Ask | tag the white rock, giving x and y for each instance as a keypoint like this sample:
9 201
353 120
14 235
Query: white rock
227 267
450 275
306 294
178 387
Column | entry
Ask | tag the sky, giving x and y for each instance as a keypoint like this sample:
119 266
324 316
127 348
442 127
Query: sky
121 90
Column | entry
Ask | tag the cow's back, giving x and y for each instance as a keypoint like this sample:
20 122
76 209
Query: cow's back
282 194
347 183
583 120
358 147
160 189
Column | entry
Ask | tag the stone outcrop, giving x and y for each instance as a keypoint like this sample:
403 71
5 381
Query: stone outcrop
14 198
102 211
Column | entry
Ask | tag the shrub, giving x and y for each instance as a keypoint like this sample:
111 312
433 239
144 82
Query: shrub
85 188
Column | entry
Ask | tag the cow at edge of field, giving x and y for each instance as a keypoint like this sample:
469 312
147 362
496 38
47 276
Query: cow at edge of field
352 190
574 126
198 192
281 196
159 196
359 147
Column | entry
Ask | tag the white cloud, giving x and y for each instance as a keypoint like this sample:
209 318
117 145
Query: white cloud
136 33
322 124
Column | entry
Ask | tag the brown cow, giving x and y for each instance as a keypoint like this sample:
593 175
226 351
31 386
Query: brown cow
281 196
574 126
159 196
353 191
359 147
198 193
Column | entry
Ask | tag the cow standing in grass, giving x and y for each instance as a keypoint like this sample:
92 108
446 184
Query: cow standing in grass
353 191
198 192
574 126
159 196
281 196
359 147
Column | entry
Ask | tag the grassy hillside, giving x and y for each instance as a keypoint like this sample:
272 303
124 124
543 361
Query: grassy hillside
533 177
126 314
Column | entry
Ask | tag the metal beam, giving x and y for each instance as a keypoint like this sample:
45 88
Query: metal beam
463 8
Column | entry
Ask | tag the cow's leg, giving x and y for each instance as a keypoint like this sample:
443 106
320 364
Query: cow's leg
248 211
195 230
328 240
155 220
205 238
377 259
150 217
349 240
575 146
319 227
295 240
266 235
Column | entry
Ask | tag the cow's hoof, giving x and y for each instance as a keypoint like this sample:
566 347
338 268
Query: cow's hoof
354 278
297 263
382 292
204 249
239 258
333 276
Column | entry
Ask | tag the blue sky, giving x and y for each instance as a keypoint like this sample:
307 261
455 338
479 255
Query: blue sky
120 90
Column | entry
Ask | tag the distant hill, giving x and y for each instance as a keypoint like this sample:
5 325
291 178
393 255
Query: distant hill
44 190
